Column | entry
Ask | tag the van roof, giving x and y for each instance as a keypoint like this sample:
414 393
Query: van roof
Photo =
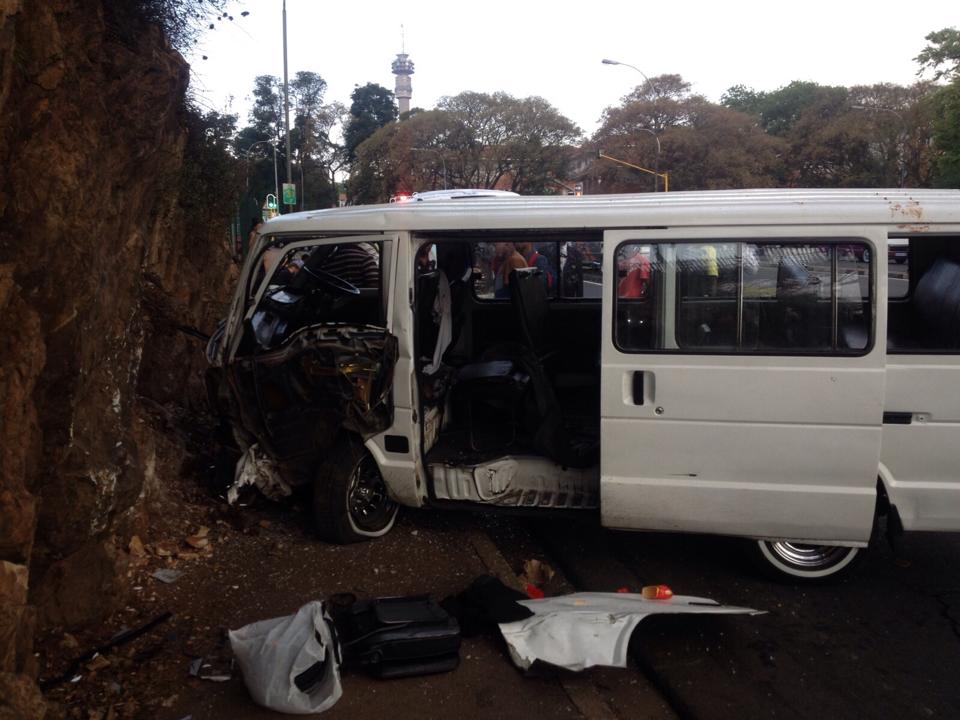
911 210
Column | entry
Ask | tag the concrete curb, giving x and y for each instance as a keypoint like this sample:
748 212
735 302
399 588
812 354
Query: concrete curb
581 690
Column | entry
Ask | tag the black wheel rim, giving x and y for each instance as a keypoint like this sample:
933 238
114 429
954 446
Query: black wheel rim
367 500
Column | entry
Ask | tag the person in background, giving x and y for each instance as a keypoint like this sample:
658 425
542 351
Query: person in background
356 263
424 262
711 274
533 258
636 265
507 260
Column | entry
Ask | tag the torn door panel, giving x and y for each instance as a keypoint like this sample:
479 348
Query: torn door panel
584 629
295 400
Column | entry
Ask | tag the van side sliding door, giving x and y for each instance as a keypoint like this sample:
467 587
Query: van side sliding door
743 381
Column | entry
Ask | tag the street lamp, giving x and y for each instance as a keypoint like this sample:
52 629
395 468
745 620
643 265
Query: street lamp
607 61
276 181
902 137
442 161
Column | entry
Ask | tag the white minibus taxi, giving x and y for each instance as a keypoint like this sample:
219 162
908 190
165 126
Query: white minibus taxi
779 365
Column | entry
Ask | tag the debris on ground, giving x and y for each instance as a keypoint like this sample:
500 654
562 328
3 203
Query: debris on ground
166 575
215 669
255 469
397 636
581 630
94 660
289 663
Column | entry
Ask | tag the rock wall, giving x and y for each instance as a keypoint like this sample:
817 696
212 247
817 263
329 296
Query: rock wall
99 263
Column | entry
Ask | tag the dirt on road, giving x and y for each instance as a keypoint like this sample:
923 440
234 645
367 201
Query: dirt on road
243 565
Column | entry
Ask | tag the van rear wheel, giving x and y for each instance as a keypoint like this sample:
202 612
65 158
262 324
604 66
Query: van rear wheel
350 499
787 561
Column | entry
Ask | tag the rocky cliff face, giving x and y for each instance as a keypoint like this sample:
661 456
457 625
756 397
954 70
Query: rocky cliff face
98 264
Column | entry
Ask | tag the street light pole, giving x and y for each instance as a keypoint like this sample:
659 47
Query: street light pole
276 179
902 137
286 96
656 177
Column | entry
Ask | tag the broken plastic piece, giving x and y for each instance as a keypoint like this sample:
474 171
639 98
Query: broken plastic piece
213 670
166 575
585 629
533 591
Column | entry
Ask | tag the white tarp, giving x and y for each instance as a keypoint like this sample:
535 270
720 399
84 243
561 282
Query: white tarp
585 629
272 654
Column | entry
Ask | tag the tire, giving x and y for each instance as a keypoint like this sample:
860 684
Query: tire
792 562
350 500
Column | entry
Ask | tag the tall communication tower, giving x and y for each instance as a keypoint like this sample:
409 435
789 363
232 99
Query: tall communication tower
403 68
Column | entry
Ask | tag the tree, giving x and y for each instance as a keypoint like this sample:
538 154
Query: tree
372 106
470 140
504 142
703 145
942 55
313 153
865 136
780 110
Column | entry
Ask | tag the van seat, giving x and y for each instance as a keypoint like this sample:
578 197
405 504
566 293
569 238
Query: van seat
936 300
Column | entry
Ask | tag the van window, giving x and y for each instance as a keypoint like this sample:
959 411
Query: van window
569 270
744 297
924 315
898 268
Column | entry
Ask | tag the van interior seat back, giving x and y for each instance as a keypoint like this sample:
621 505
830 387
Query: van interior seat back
528 295
937 303
427 327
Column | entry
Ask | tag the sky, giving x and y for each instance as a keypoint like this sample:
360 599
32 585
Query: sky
554 49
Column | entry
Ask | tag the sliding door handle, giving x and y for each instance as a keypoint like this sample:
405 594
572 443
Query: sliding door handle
638 387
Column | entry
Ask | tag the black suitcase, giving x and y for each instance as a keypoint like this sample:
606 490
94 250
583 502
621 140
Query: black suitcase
397 636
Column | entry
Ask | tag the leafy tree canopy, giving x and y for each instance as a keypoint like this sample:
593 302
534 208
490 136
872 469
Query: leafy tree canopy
470 140
372 106
942 54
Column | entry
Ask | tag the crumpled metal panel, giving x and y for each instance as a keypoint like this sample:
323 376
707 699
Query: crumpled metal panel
518 481
295 400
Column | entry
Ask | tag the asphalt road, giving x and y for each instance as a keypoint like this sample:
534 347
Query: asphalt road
884 643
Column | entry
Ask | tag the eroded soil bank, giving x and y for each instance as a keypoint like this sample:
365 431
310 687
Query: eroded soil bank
100 262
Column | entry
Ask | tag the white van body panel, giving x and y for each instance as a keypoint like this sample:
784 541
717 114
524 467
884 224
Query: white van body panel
402 473
739 444
922 458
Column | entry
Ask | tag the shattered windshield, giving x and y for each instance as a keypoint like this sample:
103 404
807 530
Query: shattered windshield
314 284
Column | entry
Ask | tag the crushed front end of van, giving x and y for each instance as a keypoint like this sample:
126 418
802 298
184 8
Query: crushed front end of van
303 372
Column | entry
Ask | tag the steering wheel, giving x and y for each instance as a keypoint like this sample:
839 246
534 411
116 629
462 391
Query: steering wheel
332 281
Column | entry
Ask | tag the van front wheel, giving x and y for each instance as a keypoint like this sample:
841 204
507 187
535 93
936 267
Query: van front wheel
350 500
795 562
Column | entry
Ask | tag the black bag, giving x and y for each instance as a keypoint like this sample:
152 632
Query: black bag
397 636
